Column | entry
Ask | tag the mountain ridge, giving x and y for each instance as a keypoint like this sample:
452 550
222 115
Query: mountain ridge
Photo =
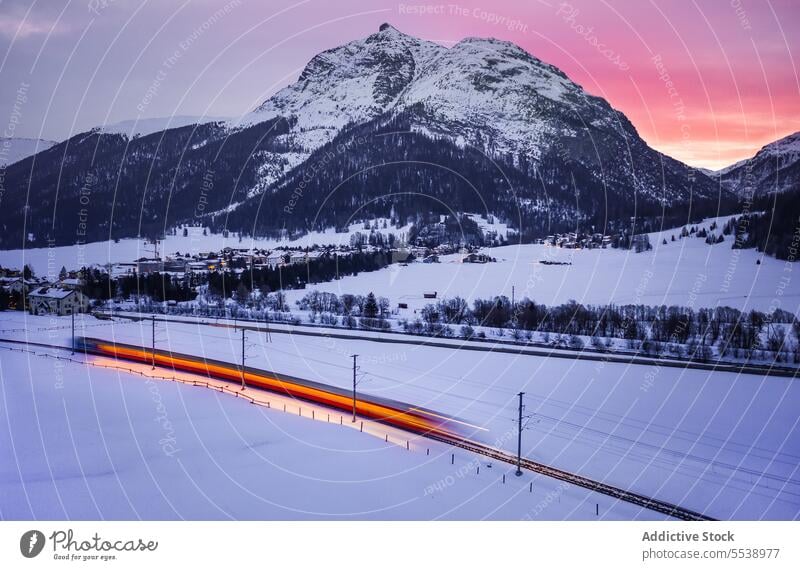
775 168
484 103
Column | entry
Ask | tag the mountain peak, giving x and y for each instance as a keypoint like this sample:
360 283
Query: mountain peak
485 92
388 34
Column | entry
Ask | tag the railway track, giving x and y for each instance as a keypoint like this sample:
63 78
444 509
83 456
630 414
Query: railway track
663 507
500 347
657 505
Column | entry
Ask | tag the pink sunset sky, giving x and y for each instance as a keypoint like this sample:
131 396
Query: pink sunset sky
708 82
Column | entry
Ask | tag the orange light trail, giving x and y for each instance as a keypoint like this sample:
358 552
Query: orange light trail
406 419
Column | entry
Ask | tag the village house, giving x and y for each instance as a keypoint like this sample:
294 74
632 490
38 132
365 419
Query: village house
15 284
70 283
476 258
56 301
17 288
146 265
298 257
202 266
175 264
276 258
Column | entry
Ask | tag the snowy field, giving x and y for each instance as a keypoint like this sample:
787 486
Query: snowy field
83 442
80 442
686 272
723 444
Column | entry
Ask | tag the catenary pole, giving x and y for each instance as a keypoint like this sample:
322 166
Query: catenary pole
519 438
243 385
355 358
153 337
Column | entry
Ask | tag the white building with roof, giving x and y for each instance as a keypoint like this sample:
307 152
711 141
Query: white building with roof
14 284
56 301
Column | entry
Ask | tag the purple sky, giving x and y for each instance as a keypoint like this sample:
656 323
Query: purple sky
69 66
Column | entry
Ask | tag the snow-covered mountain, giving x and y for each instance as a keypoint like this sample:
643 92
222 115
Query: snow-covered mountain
479 89
774 169
15 149
487 93
385 126
347 85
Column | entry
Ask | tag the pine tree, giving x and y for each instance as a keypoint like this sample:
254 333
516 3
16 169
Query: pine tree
242 293
370 309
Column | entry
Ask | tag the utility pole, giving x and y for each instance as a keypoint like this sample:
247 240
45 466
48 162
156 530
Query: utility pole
243 386
73 331
354 357
153 352
519 438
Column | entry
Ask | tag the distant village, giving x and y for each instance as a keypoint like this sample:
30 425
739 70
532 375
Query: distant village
578 240
179 276
22 290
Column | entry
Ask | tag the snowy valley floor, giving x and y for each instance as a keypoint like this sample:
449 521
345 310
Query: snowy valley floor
686 272
723 444
81 442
